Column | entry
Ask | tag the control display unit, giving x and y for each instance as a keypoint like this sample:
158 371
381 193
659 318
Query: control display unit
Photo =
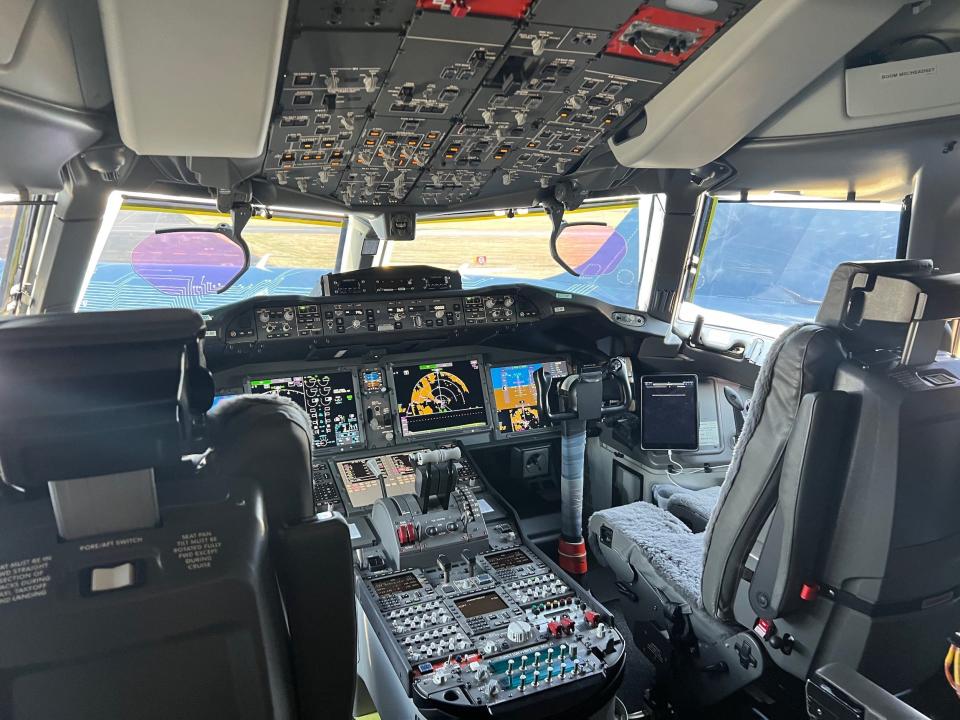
480 604
396 584
668 412
515 395
439 397
330 401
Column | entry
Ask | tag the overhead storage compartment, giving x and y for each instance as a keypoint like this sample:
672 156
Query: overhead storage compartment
194 78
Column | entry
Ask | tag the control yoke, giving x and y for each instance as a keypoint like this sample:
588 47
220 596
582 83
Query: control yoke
436 475
580 396
580 400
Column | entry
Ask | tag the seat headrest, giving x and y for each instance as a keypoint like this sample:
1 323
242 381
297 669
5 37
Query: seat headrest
898 304
98 393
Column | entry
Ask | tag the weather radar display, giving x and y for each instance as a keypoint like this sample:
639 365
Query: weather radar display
439 397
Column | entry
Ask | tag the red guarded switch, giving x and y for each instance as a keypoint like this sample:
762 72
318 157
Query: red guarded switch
567 625
661 36
592 618
764 628
555 628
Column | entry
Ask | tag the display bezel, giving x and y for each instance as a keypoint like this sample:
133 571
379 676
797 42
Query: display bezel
696 402
354 379
548 428
419 438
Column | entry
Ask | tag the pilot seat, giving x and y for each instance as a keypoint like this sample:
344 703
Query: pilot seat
833 537
157 561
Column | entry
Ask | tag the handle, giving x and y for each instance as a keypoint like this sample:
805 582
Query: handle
543 397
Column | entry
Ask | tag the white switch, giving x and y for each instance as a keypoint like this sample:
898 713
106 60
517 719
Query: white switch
112 578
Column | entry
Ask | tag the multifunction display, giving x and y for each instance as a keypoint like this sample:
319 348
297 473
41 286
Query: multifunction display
515 395
329 400
439 397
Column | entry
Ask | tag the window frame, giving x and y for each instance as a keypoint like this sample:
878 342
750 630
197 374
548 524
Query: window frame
30 224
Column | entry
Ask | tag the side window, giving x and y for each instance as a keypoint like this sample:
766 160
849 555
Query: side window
7 215
504 248
288 255
769 262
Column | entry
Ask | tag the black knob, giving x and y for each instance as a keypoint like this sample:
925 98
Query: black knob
443 562
471 561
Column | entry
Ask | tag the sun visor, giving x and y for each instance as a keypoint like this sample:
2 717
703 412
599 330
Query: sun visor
743 77
194 78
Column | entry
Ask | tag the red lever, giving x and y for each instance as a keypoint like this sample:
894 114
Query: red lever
809 591
764 628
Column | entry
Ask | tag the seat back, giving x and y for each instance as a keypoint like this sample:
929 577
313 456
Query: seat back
263 443
801 362
835 531
132 583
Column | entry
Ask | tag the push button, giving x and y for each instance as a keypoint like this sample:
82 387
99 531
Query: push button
112 578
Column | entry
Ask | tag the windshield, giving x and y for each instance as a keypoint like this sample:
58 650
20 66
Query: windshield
506 248
133 267
771 261
288 255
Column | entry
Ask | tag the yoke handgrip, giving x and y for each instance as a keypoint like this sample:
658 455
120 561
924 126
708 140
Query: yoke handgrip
543 397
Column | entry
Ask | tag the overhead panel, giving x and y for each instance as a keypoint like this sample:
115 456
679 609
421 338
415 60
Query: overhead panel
465 99
332 77
354 14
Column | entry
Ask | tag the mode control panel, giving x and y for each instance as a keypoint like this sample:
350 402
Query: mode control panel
399 314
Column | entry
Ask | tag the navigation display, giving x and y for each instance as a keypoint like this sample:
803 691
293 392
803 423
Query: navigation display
668 412
329 400
515 395
439 397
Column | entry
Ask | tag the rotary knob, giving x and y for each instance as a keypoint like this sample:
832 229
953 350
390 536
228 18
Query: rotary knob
263 316
490 302
288 314
355 324
519 631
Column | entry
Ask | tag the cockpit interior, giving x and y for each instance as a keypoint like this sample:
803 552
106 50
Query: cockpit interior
454 359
